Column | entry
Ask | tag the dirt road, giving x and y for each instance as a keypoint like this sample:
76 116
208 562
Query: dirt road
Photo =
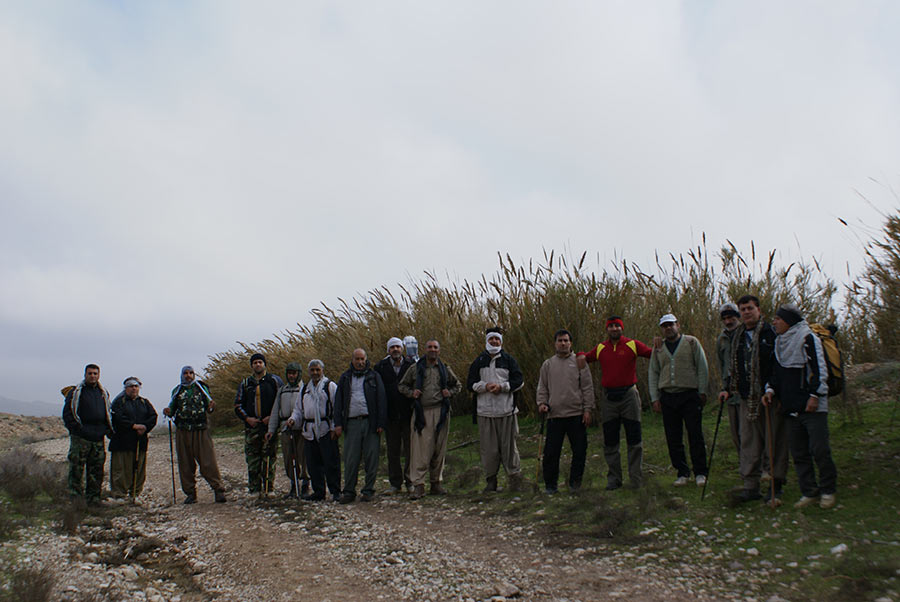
389 549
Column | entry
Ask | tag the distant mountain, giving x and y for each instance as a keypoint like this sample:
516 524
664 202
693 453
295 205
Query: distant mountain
29 408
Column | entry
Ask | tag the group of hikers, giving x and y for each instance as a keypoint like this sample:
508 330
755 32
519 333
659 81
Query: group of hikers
773 385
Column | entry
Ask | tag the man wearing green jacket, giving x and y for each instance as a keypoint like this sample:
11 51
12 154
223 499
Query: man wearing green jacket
679 379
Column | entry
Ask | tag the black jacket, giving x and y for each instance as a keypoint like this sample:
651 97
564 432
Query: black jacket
399 406
125 414
794 385
766 360
245 399
376 399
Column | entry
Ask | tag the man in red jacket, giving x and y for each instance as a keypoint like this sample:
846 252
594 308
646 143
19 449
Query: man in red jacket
621 404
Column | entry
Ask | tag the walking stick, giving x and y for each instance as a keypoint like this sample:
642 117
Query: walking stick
771 457
172 460
711 450
134 472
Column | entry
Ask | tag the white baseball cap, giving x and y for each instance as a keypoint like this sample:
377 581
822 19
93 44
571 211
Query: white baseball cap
667 318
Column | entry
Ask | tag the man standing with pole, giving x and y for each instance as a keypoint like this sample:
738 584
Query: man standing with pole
191 402
253 405
399 410
133 417
565 394
291 441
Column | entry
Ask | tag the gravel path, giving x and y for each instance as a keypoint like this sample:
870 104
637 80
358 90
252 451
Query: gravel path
391 549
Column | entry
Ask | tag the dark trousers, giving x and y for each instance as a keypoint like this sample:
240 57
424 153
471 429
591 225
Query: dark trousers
397 436
323 460
557 430
808 434
684 409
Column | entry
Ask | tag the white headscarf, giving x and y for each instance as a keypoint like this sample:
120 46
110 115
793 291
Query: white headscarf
490 348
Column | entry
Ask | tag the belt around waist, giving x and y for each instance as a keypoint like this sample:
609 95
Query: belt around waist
358 417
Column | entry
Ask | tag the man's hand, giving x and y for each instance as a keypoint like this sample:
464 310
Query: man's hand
252 422
140 429
290 423
493 388
167 411
580 362
544 408
212 406
417 394
657 342
767 398
702 399
657 407
445 393
266 420
723 396
585 418
337 431
812 404
268 437
333 434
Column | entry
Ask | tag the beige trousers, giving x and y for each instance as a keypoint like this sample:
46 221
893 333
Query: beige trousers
497 439
428 449
196 447
125 473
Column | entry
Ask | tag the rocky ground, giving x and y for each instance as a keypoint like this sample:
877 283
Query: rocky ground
390 549
15 429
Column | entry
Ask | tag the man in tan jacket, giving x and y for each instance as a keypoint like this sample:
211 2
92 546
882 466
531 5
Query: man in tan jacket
566 394
430 383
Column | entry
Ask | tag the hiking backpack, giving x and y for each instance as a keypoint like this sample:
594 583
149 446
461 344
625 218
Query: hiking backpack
834 359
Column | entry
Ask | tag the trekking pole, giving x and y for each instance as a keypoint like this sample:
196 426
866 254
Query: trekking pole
294 464
172 460
712 449
771 457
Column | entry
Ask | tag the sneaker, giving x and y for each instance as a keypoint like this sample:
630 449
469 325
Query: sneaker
418 492
701 480
392 491
346 498
804 501
773 501
827 501
746 495
191 499
220 497
680 482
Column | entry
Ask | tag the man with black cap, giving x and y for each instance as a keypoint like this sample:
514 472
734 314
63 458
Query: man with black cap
752 361
133 417
621 405
800 380
189 407
678 381
86 414
399 410
731 319
253 404
292 442
494 378
360 413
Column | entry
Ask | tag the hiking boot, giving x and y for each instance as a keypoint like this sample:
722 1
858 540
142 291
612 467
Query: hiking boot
746 495
700 480
191 499
613 484
418 492
804 501
346 498
367 497
392 491
220 497
491 485
827 501
336 497
312 497
437 488
680 482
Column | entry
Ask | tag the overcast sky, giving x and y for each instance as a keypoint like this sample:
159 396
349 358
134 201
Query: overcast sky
175 177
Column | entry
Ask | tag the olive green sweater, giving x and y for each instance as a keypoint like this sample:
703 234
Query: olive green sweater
680 371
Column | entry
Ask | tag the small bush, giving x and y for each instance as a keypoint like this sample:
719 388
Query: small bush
24 475
29 584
